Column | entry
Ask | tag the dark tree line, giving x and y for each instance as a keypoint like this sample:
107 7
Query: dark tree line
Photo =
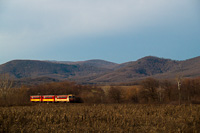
149 90
158 91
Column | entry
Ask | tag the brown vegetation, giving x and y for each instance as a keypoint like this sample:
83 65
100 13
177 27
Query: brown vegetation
155 91
155 114
100 118
149 91
10 95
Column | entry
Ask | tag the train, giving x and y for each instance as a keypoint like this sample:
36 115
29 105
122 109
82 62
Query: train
53 98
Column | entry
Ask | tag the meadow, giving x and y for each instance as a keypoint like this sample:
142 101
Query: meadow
76 117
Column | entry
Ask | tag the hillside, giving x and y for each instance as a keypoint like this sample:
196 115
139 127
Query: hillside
95 63
144 67
100 71
19 69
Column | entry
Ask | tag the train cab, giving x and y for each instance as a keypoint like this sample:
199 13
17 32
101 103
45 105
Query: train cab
71 98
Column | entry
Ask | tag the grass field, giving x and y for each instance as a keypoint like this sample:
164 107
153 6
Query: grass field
100 118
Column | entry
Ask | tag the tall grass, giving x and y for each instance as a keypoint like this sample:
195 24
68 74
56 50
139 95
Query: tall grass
100 117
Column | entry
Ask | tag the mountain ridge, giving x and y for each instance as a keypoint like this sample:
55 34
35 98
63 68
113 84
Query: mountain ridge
101 71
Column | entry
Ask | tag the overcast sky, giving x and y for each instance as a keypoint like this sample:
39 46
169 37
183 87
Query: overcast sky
113 30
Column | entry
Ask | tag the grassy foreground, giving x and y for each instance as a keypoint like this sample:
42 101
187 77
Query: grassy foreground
100 118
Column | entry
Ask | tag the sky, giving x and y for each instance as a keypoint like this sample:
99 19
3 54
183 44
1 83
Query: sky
114 30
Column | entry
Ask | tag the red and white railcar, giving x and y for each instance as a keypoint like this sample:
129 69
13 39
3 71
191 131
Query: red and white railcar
36 98
48 98
61 98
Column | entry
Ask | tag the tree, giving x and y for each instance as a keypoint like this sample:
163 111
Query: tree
114 94
131 94
178 80
168 90
5 88
191 89
149 90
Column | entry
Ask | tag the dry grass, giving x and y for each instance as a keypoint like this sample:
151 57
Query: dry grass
100 118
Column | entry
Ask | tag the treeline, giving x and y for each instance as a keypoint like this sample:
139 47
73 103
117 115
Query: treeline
148 91
11 95
152 90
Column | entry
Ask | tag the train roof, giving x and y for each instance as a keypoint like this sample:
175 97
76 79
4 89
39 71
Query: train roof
55 95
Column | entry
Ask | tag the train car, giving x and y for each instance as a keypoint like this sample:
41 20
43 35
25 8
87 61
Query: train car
65 98
61 98
48 98
71 98
36 98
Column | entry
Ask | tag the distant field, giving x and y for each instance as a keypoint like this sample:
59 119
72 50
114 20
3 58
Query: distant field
100 117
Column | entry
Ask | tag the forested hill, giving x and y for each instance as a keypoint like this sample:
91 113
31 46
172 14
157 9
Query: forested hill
100 71
33 69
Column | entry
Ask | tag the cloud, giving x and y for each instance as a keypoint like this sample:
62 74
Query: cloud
37 23
77 17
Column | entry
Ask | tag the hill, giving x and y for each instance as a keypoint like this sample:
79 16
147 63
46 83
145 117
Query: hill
100 71
147 66
20 69
95 63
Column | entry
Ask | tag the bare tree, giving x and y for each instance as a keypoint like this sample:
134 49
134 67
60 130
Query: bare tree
178 80
160 91
114 94
149 90
168 90
5 87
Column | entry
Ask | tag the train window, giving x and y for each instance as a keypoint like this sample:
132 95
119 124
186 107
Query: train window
48 97
62 97
35 97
